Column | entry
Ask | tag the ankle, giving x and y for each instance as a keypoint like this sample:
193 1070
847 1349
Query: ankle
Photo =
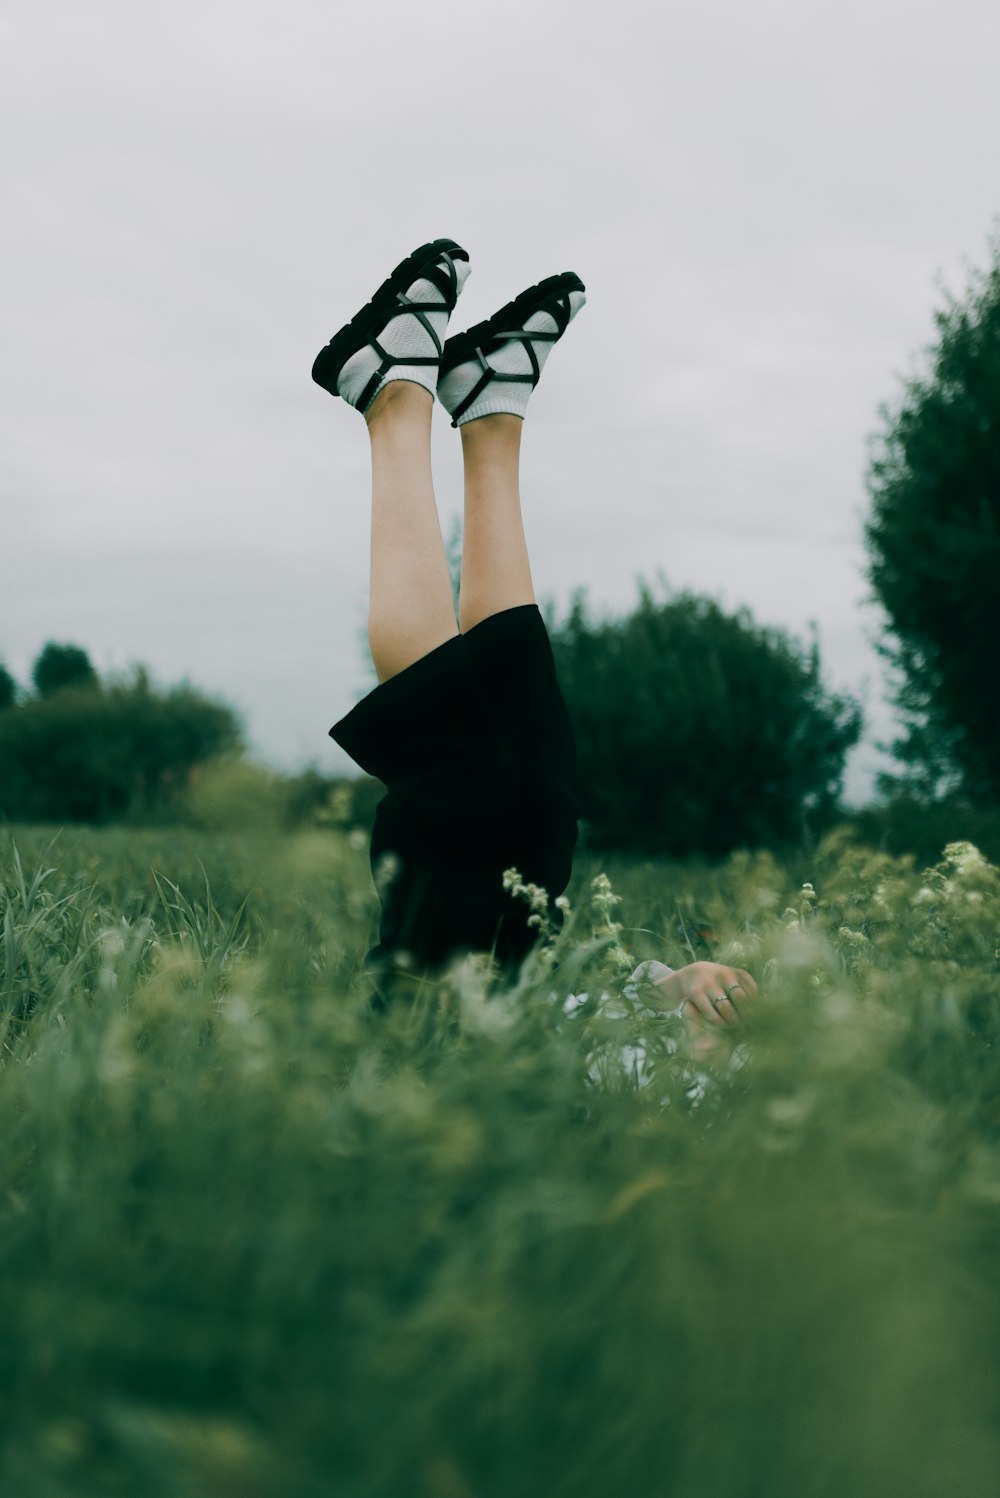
401 398
491 439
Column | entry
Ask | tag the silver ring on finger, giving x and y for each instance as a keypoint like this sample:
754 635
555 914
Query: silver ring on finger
731 986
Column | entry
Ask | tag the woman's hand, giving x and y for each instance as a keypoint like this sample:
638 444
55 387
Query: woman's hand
709 993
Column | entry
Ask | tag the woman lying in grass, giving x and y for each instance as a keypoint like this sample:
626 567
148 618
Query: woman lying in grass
467 728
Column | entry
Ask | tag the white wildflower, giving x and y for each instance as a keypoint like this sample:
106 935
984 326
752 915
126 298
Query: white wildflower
112 942
601 885
965 858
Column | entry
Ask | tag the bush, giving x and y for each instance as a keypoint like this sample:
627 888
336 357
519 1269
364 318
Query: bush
61 666
909 824
121 751
8 689
699 731
313 799
233 794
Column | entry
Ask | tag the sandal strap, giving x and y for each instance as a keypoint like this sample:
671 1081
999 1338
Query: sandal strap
418 310
444 277
369 391
486 379
487 375
558 308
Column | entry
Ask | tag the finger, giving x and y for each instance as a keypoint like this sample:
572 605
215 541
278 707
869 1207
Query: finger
725 1010
724 994
741 990
704 1001
737 994
724 1005
700 1034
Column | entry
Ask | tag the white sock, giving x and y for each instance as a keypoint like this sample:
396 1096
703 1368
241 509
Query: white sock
400 335
511 358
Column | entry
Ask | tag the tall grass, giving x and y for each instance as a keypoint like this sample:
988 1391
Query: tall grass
256 1240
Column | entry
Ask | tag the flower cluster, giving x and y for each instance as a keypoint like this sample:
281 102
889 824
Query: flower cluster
800 914
535 894
603 900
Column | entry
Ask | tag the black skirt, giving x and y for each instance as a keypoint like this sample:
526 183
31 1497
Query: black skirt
475 746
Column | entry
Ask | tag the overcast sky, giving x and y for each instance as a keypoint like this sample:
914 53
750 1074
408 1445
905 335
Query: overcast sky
764 201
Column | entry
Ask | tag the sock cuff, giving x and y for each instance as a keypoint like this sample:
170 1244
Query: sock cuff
424 375
496 405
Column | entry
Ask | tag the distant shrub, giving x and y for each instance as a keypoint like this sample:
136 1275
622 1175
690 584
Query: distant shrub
313 799
700 731
61 666
233 794
120 751
8 689
909 823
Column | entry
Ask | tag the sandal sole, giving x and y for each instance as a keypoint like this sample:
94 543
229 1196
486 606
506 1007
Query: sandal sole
462 348
353 336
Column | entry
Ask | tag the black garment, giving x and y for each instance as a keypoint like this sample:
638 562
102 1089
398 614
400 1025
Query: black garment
475 746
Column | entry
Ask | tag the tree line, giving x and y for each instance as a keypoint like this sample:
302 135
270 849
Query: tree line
697 731
75 748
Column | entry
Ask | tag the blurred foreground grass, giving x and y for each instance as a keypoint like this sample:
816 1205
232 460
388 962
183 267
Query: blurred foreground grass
255 1241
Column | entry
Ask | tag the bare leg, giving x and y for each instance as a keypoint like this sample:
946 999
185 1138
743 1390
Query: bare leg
411 610
495 571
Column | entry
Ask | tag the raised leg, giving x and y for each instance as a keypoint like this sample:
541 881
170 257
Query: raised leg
496 573
411 610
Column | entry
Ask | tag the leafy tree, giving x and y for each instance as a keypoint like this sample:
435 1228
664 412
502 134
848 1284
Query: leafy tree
124 751
699 731
60 666
934 550
8 688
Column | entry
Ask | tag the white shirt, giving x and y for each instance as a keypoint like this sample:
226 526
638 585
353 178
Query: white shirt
634 1056
651 970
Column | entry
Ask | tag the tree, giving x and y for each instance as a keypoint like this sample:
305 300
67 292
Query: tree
8 688
699 731
933 541
60 666
125 751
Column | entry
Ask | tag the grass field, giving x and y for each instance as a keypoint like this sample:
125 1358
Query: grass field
257 1241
